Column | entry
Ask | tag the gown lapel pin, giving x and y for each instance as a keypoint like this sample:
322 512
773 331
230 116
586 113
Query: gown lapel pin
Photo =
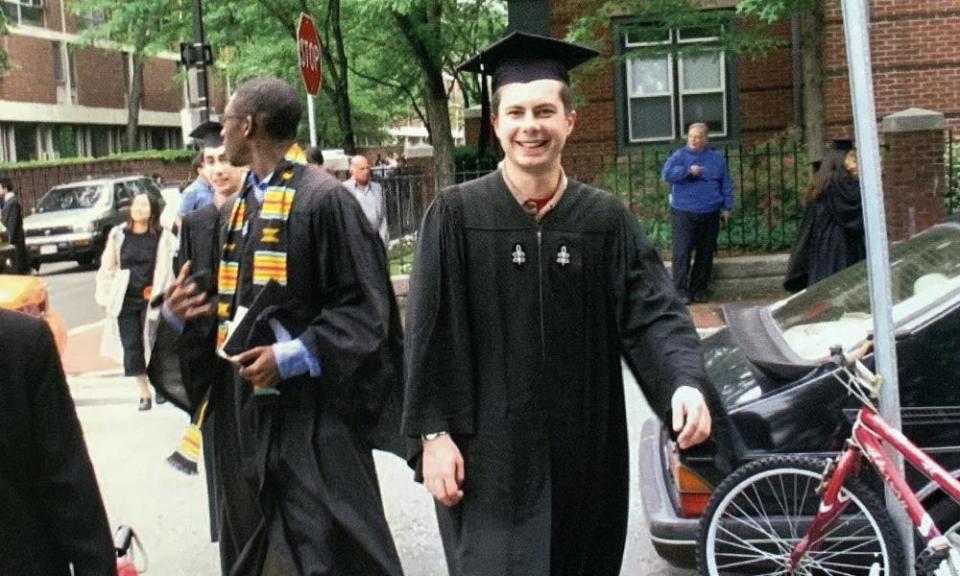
563 256
519 256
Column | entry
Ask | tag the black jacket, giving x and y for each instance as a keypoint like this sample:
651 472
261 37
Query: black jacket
51 514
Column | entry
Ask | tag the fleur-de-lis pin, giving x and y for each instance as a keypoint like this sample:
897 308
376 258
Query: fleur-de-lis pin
563 256
519 256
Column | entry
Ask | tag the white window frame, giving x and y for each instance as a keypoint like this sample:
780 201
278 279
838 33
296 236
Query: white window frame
677 91
722 91
20 4
670 93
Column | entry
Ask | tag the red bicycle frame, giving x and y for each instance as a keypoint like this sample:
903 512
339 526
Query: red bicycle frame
868 432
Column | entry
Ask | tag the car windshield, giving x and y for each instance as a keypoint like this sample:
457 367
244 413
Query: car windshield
70 198
923 270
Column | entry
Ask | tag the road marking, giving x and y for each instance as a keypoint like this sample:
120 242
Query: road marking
85 328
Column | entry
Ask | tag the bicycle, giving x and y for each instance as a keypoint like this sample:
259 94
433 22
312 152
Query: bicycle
785 515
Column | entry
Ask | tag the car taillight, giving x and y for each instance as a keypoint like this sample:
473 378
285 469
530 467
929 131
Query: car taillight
693 492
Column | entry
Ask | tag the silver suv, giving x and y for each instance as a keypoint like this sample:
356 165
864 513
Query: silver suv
71 221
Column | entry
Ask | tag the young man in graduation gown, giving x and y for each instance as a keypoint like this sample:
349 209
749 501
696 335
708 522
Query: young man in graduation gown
12 218
200 235
52 520
297 413
527 290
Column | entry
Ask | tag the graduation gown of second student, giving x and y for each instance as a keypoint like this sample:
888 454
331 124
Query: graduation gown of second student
306 454
830 237
514 335
12 216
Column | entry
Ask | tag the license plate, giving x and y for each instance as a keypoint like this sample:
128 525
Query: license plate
48 249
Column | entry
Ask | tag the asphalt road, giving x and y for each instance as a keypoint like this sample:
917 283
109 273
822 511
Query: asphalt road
71 288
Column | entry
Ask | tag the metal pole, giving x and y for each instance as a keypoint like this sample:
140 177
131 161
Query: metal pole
313 120
198 37
857 32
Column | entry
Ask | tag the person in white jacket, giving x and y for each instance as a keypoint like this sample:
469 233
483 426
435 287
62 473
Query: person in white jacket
136 263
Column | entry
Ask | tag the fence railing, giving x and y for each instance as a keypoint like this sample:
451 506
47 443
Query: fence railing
952 162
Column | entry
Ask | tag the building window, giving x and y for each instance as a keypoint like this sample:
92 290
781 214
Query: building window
24 12
673 78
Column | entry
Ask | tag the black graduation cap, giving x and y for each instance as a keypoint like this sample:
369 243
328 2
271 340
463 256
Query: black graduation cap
842 144
523 57
207 134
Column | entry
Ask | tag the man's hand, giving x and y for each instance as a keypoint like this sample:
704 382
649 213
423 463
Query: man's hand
725 216
691 417
259 366
184 299
696 170
443 471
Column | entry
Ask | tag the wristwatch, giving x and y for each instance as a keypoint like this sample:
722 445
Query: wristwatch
432 436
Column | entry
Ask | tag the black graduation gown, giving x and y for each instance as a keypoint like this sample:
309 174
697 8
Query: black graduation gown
515 332
51 514
305 456
830 237
13 222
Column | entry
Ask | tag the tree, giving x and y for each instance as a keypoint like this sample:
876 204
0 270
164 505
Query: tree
745 38
142 28
436 33
4 58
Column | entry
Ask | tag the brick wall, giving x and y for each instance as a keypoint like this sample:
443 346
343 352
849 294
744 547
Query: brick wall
913 182
52 15
764 84
100 78
161 91
915 62
33 81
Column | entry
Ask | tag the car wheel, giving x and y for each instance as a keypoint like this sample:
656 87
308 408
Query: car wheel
757 516
35 265
88 261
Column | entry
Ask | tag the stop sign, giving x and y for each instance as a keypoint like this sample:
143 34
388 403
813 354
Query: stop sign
309 54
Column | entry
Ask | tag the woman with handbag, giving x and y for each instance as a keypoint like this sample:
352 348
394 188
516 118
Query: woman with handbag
137 262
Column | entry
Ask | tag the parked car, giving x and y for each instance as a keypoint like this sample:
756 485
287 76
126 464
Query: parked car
72 220
28 294
770 367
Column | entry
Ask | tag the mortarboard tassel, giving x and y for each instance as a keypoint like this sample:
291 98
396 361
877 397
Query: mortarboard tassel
185 457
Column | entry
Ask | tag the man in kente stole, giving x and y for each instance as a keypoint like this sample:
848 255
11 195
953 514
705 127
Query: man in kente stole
316 383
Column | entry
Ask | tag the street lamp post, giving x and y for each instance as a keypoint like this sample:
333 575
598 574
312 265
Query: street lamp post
197 57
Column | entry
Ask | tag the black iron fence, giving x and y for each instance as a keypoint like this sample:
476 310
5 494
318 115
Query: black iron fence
952 162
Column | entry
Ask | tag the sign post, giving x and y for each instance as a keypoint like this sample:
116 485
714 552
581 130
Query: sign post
856 25
309 50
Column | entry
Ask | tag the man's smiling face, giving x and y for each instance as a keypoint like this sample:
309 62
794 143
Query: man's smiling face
532 124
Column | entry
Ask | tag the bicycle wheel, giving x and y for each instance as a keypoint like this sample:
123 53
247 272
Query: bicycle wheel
758 514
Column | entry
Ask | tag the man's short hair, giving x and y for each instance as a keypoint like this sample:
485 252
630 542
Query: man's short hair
315 155
6 183
566 97
701 126
273 103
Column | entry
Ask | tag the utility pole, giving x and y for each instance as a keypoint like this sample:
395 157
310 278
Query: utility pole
196 57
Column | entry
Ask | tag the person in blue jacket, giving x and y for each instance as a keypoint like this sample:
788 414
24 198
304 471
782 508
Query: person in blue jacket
701 195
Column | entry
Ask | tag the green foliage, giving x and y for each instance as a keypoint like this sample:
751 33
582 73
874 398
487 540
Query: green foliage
4 58
167 156
952 162
768 180
738 35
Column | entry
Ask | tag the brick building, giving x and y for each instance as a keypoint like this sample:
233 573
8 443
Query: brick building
631 103
62 99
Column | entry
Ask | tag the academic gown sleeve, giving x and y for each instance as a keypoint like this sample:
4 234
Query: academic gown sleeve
659 341
356 336
439 375
66 483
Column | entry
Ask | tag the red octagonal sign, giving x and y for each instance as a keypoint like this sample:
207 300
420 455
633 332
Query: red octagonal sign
309 54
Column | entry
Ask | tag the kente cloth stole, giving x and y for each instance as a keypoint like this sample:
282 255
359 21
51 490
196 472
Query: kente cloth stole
270 256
